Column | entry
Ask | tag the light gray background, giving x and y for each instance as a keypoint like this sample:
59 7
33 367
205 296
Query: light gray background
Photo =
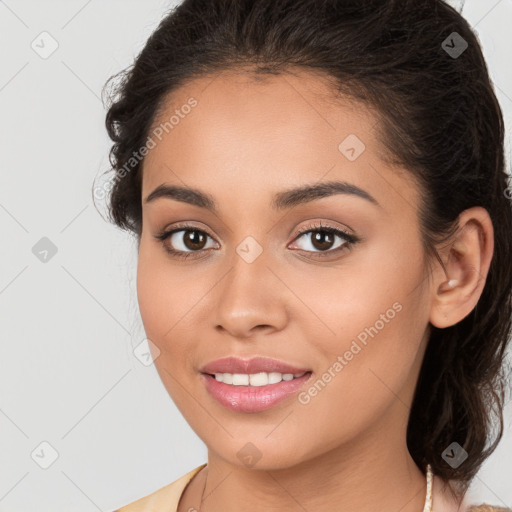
68 327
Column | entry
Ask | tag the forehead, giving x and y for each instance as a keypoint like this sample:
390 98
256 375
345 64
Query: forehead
297 103
272 131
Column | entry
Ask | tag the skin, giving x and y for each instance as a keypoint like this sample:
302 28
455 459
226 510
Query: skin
245 141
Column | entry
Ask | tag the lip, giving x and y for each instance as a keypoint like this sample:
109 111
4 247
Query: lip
253 398
254 365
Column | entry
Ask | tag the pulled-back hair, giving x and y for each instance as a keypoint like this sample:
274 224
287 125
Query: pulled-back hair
438 117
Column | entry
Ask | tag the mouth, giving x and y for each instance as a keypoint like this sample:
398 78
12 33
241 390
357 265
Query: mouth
255 379
242 392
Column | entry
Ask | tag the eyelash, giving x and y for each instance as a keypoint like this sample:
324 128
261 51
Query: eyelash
350 240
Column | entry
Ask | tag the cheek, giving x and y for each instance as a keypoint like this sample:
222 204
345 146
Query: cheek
373 314
160 309
159 295
168 298
368 368
149 293
372 290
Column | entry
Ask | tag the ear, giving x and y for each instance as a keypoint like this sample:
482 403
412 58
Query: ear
467 259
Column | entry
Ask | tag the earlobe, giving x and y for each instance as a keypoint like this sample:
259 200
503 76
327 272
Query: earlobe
447 285
457 291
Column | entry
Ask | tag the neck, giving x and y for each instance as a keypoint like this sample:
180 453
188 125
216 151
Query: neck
370 473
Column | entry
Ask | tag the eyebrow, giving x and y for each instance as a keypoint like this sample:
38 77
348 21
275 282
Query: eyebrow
281 201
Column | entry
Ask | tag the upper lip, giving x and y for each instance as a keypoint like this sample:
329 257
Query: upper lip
249 366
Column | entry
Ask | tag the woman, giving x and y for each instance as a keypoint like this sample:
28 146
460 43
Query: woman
318 193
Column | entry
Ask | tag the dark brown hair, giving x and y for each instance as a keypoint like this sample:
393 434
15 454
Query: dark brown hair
438 117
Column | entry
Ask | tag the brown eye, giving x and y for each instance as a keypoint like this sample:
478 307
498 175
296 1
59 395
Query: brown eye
322 240
193 240
184 241
188 240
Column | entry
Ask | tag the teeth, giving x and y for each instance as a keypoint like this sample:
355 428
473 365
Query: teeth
255 379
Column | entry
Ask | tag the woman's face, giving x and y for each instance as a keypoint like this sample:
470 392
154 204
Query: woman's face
354 315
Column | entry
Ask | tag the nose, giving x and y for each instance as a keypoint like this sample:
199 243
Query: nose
251 298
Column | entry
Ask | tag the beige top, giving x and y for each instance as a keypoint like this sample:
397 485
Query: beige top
166 498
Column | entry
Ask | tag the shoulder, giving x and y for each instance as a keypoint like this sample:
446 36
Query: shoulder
166 498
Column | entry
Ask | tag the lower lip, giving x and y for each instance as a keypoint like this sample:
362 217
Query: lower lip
253 398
